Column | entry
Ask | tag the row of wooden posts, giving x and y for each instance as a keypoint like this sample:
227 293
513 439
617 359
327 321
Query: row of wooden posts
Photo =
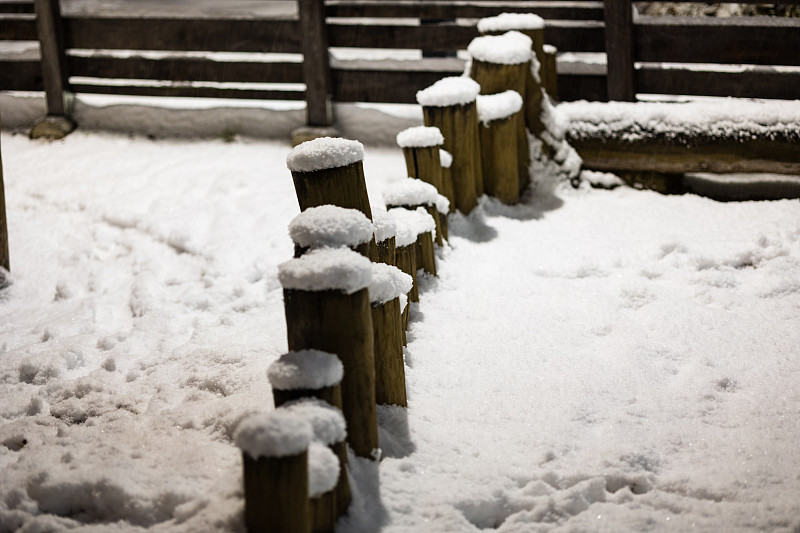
5 262
332 315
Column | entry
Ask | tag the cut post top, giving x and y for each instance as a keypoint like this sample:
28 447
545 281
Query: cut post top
385 225
273 434
511 21
305 370
330 225
498 106
324 269
420 137
450 91
510 48
410 192
327 422
388 283
324 153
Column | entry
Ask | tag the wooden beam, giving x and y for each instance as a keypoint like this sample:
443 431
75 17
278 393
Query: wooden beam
758 82
20 75
189 92
18 27
5 261
444 9
16 6
316 65
51 45
620 50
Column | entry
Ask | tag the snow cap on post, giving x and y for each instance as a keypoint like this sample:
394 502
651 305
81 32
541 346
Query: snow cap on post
511 21
305 369
511 48
324 153
446 158
327 422
442 204
323 470
498 106
326 269
450 91
420 137
273 434
385 226
410 191
411 224
388 283
330 225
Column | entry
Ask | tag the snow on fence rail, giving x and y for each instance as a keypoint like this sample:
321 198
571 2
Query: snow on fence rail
637 50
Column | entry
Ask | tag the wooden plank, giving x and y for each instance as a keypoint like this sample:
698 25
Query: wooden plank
16 6
5 261
575 36
763 82
737 40
189 92
224 35
316 68
20 75
184 69
18 27
591 87
443 9
51 46
619 50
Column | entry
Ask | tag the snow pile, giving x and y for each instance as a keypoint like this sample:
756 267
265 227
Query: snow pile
682 123
446 158
385 225
549 49
388 283
420 137
326 269
273 434
450 91
324 153
442 204
411 224
327 422
511 21
410 192
305 369
498 106
512 48
323 470
330 225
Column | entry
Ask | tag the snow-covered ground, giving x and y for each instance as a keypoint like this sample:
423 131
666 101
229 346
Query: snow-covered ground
590 361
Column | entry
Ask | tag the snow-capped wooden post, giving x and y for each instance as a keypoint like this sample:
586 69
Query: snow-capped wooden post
500 118
275 455
417 226
385 231
449 104
443 206
306 374
412 193
329 428
421 145
447 178
501 63
327 307
5 261
550 71
389 285
330 170
332 226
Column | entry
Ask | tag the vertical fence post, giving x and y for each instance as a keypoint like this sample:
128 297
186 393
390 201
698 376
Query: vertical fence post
54 73
316 66
619 50
4 257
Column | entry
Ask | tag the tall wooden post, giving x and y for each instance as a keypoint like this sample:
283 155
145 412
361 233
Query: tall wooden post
57 123
316 64
550 69
619 50
500 118
5 260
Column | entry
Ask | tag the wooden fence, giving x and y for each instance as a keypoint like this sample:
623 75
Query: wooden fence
742 57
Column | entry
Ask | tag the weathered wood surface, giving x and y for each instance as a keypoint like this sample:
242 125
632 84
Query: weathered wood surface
387 251
425 252
407 262
343 494
16 6
499 158
620 50
323 513
18 27
188 92
53 60
443 9
5 261
332 395
550 78
316 68
390 375
25 75
424 164
276 494
341 186
341 324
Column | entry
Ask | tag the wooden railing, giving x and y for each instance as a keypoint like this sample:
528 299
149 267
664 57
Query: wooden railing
740 57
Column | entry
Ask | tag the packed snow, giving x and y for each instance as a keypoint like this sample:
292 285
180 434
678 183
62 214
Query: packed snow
410 192
498 106
591 360
446 158
305 369
327 422
411 223
326 269
511 21
323 470
324 153
450 91
388 283
511 48
275 433
420 137
330 225
385 226
442 204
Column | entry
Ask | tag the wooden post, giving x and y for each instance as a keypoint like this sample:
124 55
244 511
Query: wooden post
447 178
322 464
443 207
385 231
5 260
275 472
500 116
421 147
550 68
411 194
407 262
327 308
316 64
449 105
621 82
330 225
426 252
306 374
416 228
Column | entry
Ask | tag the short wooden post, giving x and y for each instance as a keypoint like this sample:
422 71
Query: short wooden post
275 455
449 104
550 68
407 261
328 426
413 193
447 178
388 284
621 82
306 374
417 226
501 63
327 308
500 118
5 260
443 206
421 145
385 231
323 471
332 226
316 64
